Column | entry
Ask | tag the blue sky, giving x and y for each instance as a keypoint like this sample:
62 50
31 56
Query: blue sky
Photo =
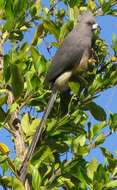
107 99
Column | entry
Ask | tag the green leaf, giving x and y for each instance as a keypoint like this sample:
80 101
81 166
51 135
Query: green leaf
115 171
91 168
16 184
4 167
55 44
106 153
3 158
3 99
112 161
79 145
75 87
35 54
50 125
113 77
74 14
111 184
106 7
37 35
97 84
29 128
2 4
17 80
19 7
99 139
113 12
23 50
65 29
10 16
101 177
51 27
101 2
11 182
6 68
43 154
113 121
66 182
82 150
39 61
2 115
35 8
80 140
82 176
97 127
36 178
97 111
72 3
114 40
25 123
13 107
33 127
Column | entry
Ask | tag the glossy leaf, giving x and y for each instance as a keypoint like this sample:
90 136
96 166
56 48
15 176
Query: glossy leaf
31 33
112 161
111 184
3 99
3 158
97 84
97 111
66 28
25 123
17 80
97 128
33 127
11 182
43 154
100 139
2 115
37 35
91 168
75 87
51 27
36 178
39 61
113 121
6 68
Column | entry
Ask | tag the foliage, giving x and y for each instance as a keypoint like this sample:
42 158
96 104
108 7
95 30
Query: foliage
22 73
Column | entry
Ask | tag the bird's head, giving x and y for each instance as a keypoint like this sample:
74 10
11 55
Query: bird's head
88 19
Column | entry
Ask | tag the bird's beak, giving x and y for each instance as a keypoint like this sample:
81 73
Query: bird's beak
95 27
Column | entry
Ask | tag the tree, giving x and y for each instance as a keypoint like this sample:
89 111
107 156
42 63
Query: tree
23 96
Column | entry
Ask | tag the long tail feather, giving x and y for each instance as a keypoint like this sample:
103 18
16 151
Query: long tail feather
36 137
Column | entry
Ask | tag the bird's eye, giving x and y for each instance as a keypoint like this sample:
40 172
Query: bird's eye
89 23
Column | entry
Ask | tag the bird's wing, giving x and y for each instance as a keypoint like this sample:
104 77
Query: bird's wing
65 58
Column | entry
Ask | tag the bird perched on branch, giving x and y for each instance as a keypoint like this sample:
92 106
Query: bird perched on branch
70 59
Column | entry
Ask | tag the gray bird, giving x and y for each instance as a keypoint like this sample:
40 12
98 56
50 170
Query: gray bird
72 56
70 59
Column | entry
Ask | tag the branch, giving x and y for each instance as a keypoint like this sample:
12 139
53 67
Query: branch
1 51
58 172
16 128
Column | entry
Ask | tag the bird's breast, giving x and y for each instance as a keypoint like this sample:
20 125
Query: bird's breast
82 65
62 80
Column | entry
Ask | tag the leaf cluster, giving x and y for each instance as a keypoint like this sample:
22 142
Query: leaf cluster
60 158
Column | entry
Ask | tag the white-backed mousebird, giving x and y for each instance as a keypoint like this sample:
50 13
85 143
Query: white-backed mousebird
70 59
